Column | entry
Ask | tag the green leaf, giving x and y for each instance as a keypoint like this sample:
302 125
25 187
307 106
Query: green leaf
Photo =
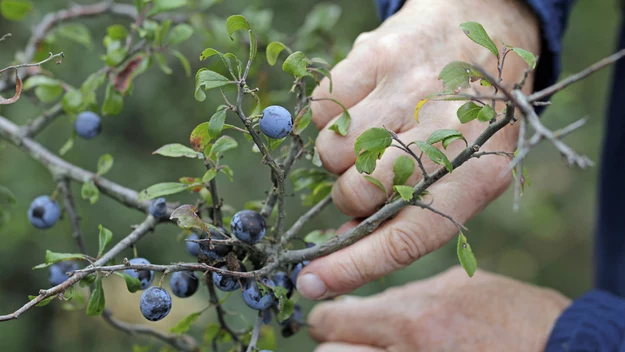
296 65
366 161
267 339
113 101
226 170
6 197
90 191
224 143
162 189
53 257
486 113
226 59
180 33
177 150
465 255
48 94
115 52
210 333
468 112
162 63
216 123
527 56
316 159
435 155
209 175
132 283
104 238
457 75
405 192
187 218
208 79
373 140
37 81
96 302
87 280
403 169
319 236
15 10
478 34
117 32
446 136
200 138
235 23
286 309
185 324
105 163
342 124
302 121
376 182
72 101
45 301
183 61
273 51
160 6
137 348
76 32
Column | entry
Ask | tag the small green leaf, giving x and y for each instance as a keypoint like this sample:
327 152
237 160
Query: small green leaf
87 280
226 170
403 169
72 101
224 143
435 155
273 51
275 143
342 124
183 61
185 324
468 112
286 309
200 138
208 79
160 6
319 236
465 255
529 58
324 71
209 175
180 34
104 238
458 75
52 257
132 283
366 162
105 163
36 81
405 192
486 113
15 10
162 189
216 123
162 63
376 182
373 140
296 65
478 34
90 192
446 136
48 94
186 216
44 302
117 32
77 32
113 101
96 302
235 23
177 150
302 121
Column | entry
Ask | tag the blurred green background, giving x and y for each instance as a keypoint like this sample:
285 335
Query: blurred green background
549 242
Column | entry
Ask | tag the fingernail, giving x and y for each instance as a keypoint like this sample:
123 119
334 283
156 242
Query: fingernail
311 286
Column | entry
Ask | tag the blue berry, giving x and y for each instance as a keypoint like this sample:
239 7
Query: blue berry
248 226
155 303
292 325
266 316
183 284
158 208
226 282
57 274
254 297
145 276
276 122
295 272
87 125
44 212
193 247
219 251
282 279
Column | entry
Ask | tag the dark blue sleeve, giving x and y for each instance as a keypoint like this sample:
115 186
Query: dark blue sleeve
553 15
595 322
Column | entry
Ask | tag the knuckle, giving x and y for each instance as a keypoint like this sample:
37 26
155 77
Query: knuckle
352 197
403 245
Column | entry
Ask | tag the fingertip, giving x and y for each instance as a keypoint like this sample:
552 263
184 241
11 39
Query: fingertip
354 196
311 286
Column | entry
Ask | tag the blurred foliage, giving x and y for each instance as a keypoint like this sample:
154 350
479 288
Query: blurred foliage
549 242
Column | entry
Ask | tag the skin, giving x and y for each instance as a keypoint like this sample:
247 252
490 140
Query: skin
384 76
448 312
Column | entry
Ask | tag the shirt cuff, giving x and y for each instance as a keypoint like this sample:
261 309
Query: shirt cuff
594 322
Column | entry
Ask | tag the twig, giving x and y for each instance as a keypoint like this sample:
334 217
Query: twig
50 58
312 212
74 218
500 153
122 245
173 268
8 35
42 121
430 208
216 214
255 333
214 300
518 183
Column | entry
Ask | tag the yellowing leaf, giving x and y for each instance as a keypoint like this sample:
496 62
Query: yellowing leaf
418 107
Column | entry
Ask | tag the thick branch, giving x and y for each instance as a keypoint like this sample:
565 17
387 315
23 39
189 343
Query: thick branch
42 121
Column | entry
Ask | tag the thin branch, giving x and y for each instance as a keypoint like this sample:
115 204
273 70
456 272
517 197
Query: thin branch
255 333
74 218
214 300
180 342
8 35
216 214
50 58
518 184
500 153
312 212
42 121
122 245
430 208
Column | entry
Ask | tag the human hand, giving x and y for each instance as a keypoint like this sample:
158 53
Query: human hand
448 312
388 71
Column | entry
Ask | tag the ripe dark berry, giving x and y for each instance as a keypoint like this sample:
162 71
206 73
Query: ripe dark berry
145 276
57 274
292 325
193 247
183 284
44 212
155 303
219 251
253 296
280 278
226 282
295 272
248 226
276 122
87 125
158 208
